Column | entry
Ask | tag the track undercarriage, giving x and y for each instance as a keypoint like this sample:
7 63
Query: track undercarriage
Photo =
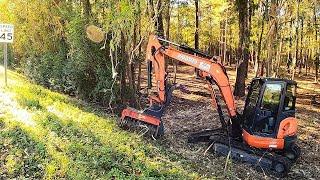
265 160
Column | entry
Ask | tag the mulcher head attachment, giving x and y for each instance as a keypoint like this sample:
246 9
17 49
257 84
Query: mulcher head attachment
145 122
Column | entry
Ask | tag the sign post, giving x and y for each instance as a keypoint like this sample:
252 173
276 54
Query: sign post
5 62
6 36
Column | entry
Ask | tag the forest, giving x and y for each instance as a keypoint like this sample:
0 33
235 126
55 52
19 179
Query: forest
65 91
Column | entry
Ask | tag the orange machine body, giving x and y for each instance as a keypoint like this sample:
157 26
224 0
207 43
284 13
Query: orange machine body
287 128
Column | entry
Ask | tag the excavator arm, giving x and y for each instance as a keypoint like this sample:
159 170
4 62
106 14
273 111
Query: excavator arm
210 69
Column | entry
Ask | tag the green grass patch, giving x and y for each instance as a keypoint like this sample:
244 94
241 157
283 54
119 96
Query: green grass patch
21 156
68 139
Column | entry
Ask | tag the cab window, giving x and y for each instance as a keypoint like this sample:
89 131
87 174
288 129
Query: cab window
271 97
289 100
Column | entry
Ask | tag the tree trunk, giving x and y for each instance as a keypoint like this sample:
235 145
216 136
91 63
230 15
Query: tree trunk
317 68
289 59
156 13
220 39
86 9
316 38
167 19
139 56
230 48
167 27
196 32
278 64
122 70
178 24
307 60
308 56
224 55
256 64
272 36
244 43
294 63
250 13
301 56
138 85
160 28
259 66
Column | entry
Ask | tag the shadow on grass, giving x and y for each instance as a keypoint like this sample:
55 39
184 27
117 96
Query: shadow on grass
21 156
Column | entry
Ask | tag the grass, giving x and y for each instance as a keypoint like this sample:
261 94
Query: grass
46 135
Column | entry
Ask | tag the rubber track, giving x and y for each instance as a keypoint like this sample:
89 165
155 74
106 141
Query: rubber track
274 157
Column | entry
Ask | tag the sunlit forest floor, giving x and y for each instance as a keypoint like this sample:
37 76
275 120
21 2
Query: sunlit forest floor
44 134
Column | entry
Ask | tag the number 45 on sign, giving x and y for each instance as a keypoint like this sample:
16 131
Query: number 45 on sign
6 33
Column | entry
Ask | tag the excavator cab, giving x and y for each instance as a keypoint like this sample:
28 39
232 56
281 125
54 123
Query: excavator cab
269 114
269 102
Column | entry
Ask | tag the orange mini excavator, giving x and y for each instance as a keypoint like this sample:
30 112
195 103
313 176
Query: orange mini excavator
264 135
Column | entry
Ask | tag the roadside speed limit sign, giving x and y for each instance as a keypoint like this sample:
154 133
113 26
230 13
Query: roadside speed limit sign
6 36
6 33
